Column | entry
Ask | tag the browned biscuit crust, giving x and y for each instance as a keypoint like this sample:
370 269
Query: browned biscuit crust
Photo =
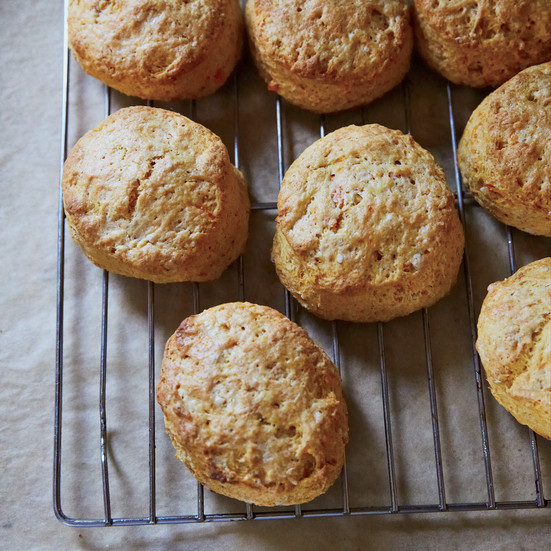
151 194
366 229
514 344
482 42
329 55
505 152
253 407
157 49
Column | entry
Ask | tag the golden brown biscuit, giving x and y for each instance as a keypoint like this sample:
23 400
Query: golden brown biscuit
157 49
151 194
329 55
505 152
481 42
366 229
514 344
253 407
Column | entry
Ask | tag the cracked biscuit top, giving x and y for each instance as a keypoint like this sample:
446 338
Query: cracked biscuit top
157 49
253 406
514 343
329 55
367 229
151 194
505 151
482 42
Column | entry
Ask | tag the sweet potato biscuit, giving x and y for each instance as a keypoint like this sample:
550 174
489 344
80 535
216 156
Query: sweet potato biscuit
366 229
505 152
329 55
157 49
514 344
151 194
482 42
253 406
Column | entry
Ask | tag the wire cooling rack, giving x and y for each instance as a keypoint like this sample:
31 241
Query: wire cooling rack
342 504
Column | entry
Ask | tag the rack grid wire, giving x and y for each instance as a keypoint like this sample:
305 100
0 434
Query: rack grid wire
249 512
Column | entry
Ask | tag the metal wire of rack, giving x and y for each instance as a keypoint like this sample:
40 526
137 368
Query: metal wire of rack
248 511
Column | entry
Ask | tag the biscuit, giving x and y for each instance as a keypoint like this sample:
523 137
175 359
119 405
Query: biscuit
480 43
514 344
505 154
253 406
330 55
157 49
151 194
366 228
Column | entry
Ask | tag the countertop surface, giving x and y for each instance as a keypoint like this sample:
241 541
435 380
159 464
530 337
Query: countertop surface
31 50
